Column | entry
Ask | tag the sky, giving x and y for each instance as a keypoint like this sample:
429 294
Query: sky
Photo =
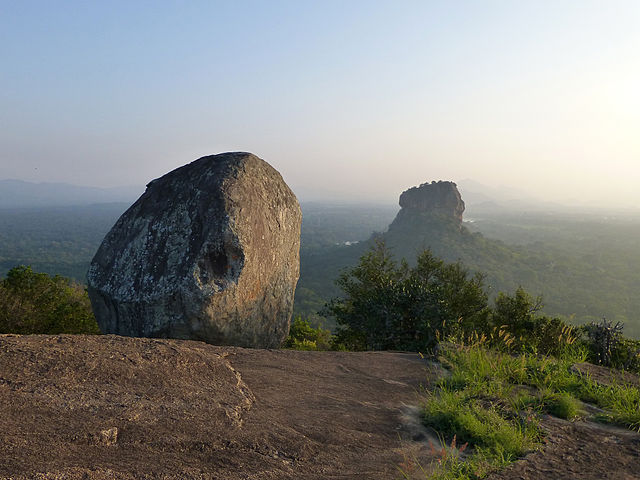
349 100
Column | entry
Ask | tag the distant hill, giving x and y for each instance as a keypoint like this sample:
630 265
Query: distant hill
483 200
18 193
584 267
480 199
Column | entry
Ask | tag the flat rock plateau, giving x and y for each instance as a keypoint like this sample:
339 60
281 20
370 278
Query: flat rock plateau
110 407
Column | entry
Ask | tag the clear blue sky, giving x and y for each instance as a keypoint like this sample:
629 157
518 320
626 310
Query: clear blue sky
348 99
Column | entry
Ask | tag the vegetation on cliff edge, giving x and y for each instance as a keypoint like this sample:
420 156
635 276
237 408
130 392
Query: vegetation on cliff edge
32 302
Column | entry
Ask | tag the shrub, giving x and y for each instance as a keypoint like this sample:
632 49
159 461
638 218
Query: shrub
517 326
388 305
627 355
302 336
606 345
603 338
32 302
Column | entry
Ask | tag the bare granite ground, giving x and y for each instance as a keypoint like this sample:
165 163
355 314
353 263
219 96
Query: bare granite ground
109 407
579 450
98 407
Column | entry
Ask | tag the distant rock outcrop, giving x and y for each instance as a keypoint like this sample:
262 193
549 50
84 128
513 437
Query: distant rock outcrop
435 202
436 198
210 252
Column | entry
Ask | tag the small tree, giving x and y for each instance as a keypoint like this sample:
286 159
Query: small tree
32 302
388 305
516 312
302 336
517 324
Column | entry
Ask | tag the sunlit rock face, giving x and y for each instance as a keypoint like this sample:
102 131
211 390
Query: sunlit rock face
435 203
437 198
210 251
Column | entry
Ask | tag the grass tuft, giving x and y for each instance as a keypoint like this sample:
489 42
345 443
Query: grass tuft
563 405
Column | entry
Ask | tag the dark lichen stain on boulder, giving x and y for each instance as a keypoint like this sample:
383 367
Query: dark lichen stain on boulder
210 252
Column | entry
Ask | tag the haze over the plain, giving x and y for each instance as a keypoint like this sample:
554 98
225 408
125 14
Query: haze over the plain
348 100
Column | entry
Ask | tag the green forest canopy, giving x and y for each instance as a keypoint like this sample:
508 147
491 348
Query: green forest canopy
586 266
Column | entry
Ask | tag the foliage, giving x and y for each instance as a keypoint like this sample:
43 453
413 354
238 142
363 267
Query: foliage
55 240
603 337
626 355
388 305
607 346
518 326
562 405
33 302
492 400
584 265
302 336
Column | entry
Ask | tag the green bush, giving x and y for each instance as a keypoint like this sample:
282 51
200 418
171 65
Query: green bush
609 347
389 306
517 325
302 336
627 355
32 302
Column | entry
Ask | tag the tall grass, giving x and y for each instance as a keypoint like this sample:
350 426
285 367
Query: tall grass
492 401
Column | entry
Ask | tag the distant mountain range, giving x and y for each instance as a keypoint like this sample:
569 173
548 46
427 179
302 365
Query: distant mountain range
18 193
480 198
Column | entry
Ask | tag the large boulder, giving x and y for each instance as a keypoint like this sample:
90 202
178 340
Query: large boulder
210 251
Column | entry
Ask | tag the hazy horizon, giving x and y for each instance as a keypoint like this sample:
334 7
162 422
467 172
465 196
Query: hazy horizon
349 101
474 194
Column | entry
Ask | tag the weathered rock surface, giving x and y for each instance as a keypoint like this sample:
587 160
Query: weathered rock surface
584 450
75 407
110 407
428 211
436 198
210 251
